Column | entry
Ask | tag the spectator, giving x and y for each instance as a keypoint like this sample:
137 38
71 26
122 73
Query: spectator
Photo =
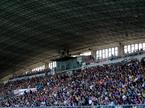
113 84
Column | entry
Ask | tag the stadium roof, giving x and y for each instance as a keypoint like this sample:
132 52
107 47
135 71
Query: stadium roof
31 30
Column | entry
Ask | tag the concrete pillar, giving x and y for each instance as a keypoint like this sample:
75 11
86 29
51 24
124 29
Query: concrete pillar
46 64
29 69
121 49
93 52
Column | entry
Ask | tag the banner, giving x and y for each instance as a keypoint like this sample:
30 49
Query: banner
22 91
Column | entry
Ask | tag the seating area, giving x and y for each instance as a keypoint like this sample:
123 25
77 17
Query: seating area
120 83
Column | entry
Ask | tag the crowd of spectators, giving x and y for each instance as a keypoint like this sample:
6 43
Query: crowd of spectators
114 84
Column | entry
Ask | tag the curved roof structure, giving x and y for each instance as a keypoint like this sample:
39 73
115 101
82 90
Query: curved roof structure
33 29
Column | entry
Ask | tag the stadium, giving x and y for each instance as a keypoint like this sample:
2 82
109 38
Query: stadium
72 53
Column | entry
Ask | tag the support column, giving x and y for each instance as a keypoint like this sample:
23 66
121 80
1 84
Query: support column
121 49
29 69
46 65
93 52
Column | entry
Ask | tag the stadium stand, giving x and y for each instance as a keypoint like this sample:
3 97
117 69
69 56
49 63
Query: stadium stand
120 83
72 53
